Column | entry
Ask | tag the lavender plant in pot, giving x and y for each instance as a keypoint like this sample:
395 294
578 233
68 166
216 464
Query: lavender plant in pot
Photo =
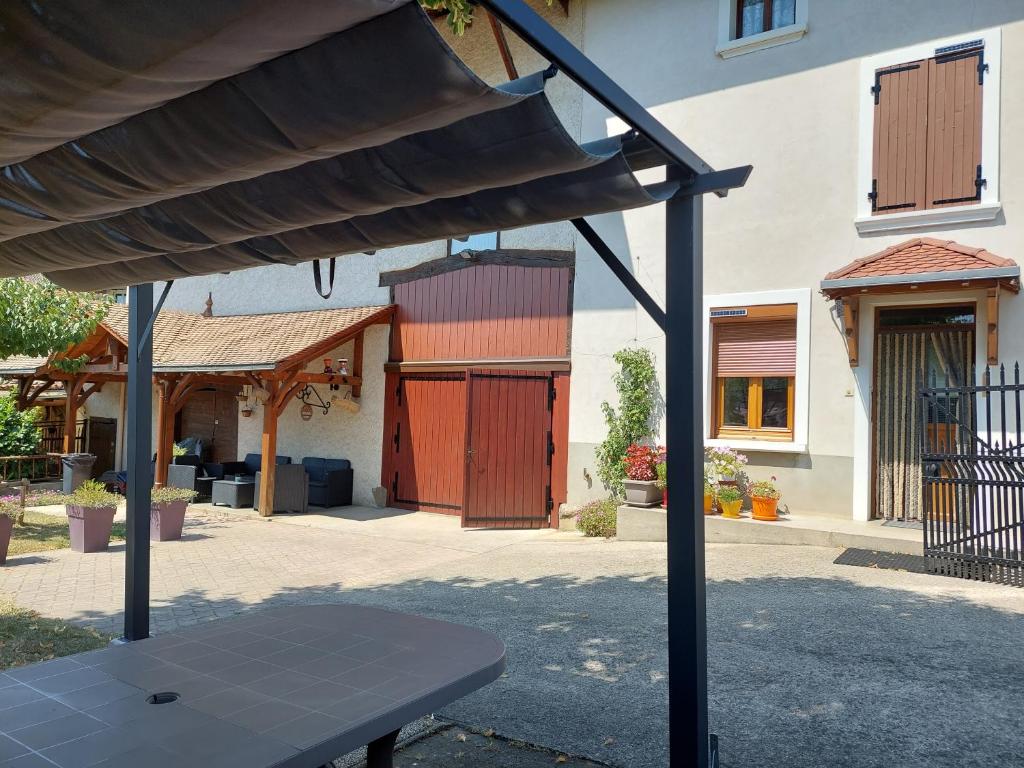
90 509
10 508
167 512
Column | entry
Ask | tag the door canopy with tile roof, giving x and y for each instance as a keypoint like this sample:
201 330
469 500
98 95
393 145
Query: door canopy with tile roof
923 263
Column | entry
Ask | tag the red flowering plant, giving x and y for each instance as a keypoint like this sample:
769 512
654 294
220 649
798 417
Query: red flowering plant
640 462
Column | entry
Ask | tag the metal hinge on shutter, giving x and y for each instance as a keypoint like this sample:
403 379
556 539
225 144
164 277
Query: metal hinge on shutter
876 89
551 393
549 503
398 436
875 207
979 182
398 392
394 487
551 447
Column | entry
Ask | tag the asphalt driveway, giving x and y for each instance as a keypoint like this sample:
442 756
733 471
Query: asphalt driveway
811 664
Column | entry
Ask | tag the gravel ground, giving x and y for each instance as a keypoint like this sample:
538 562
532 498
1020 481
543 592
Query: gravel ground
811 664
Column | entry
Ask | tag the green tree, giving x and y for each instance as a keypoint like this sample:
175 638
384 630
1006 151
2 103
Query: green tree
460 12
38 318
637 385
19 435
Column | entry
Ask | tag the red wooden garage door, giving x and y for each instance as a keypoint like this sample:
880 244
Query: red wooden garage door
508 450
428 442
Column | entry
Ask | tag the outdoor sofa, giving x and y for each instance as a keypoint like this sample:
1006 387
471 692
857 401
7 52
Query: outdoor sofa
248 466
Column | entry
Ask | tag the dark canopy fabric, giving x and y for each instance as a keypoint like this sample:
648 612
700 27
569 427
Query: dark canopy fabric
373 137
72 67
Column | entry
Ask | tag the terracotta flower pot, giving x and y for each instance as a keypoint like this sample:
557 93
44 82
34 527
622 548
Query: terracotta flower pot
764 509
89 527
642 493
6 526
731 509
166 519
664 497
709 504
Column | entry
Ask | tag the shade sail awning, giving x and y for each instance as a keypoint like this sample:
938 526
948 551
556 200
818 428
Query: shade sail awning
377 136
69 69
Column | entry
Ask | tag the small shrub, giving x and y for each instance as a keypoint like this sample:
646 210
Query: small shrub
764 489
725 462
168 494
93 495
662 471
729 493
10 506
640 462
597 518
178 450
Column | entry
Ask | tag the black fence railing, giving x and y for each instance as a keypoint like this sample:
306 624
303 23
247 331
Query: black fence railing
973 477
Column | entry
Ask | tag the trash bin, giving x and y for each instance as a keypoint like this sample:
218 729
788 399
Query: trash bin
77 468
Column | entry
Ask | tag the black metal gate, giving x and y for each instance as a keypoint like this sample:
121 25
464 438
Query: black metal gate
973 478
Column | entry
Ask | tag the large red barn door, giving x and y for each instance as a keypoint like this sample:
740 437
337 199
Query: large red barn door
428 443
508 450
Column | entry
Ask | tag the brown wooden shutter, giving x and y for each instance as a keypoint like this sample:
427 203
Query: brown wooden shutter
955 84
756 348
899 158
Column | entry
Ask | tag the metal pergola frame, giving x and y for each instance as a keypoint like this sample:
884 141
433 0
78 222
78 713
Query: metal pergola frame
690 742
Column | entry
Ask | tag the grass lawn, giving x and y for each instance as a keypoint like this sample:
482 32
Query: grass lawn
26 637
41 532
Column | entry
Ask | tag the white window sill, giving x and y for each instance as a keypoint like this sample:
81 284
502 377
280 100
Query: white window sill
760 41
760 446
904 222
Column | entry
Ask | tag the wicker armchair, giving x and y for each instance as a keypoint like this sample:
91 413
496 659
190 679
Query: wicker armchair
291 489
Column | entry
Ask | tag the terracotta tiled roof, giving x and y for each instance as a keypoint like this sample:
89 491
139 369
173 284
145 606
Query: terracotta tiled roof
921 255
182 340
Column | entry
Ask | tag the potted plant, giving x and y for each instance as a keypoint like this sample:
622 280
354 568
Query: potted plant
709 491
641 477
764 500
10 509
167 512
730 499
661 469
90 511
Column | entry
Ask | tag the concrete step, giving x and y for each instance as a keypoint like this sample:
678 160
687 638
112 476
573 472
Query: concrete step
814 530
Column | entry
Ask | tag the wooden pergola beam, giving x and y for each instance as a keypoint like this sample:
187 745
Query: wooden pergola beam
851 328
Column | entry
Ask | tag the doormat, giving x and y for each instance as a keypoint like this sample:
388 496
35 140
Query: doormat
890 561
917 525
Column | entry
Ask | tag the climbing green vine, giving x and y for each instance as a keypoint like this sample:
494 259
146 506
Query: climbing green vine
38 318
637 384
460 12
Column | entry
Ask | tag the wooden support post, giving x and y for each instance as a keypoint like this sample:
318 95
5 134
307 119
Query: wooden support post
992 308
164 431
851 327
268 450
74 388
357 365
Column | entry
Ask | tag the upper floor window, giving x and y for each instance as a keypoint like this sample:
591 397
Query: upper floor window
933 141
751 25
756 16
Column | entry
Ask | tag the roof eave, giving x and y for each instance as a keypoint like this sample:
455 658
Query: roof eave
920 278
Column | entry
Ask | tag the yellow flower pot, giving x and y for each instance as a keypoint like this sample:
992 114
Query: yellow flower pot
709 504
731 509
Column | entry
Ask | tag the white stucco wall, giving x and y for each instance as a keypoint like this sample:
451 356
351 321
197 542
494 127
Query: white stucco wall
792 112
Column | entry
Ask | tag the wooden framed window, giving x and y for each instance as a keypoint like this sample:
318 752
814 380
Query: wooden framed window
754 368
926 149
756 16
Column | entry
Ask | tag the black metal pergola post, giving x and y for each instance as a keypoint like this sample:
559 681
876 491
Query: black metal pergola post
139 440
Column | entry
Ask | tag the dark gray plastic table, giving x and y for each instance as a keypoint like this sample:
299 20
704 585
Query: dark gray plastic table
291 687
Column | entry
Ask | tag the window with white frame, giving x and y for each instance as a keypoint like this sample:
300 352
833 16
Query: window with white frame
756 369
929 135
751 25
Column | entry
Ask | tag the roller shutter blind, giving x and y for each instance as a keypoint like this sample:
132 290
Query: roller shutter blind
756 348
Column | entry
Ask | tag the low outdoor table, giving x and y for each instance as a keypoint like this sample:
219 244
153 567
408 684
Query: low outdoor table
204 487
291 687
234 493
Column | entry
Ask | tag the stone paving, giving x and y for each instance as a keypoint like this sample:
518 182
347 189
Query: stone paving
810 663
